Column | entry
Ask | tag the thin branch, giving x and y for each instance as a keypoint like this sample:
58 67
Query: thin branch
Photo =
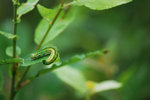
23 76
51 25
44 71
15 29
15 65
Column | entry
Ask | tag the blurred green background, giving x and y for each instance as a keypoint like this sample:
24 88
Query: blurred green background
123 30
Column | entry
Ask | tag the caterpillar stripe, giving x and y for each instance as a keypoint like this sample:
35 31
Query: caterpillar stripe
52 52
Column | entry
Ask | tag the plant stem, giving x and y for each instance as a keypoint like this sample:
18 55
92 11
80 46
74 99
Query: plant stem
14 66
15 30
20 85
51 25
23 76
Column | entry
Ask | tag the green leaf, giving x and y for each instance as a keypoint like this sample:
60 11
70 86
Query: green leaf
83 56
46 13
72 77
100 4
8 35
102 86
70 61
1 80
9 51
26 7
60 25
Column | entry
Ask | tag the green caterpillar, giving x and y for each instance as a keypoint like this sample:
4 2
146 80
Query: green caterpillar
52 52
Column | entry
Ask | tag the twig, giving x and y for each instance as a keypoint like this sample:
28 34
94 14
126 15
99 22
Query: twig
51 25
22 78
14 66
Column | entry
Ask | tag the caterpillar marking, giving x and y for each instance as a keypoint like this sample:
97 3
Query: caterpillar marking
52 52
